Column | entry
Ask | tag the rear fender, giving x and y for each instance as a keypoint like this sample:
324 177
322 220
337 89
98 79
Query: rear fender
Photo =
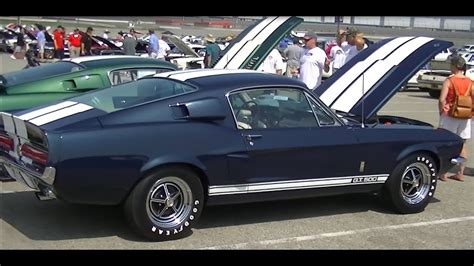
166 160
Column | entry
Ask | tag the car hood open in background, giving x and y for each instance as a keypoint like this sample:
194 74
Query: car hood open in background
182 46
251 46
372 77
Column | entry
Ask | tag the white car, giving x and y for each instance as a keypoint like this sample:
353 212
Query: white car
443 56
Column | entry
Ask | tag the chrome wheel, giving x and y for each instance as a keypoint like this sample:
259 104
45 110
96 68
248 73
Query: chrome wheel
169 202
415 183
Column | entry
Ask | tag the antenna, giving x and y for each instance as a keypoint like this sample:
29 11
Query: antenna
363 100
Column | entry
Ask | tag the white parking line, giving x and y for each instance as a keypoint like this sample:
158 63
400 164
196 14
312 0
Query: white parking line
7 192
341 233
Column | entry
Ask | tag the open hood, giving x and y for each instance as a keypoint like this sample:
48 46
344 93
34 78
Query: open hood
182 46
372 77
251 46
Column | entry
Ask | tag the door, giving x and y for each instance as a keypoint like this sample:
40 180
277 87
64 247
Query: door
291 138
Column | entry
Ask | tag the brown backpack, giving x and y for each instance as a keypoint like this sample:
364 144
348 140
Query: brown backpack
462 106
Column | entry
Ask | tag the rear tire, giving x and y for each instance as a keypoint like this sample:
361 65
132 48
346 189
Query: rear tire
412 184
165 204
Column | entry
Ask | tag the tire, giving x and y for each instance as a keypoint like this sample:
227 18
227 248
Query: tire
166 217
405 194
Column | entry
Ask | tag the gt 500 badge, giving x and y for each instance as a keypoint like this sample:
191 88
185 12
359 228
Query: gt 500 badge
365 179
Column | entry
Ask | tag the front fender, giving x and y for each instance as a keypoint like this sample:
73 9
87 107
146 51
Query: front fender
418 148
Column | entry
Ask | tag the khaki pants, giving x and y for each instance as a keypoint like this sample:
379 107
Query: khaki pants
74 51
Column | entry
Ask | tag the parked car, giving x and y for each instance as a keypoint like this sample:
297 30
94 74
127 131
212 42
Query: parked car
36 86
219 136
443 56
432 81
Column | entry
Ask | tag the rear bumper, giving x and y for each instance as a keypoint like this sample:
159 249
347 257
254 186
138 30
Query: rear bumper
41 183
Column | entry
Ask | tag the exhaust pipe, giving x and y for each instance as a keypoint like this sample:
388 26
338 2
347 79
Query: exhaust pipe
458 160
45 194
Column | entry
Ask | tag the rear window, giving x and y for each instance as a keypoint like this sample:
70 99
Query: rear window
133 93
41 72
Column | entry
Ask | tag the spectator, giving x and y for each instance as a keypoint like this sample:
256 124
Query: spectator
106 34
41 41
462 127
336 56
154 46
273 63
75 44
312 62
354 44
212 51
293 55
59 42
86 42
20 47
164 49
129 45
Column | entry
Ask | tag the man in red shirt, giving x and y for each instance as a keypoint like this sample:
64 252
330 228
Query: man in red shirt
75 44
59 42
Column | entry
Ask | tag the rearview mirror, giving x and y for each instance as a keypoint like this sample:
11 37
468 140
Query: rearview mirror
209 109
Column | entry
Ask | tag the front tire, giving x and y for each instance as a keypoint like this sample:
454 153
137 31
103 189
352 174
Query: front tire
412 184
165 204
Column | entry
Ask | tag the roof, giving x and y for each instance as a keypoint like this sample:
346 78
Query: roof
108 60
229 78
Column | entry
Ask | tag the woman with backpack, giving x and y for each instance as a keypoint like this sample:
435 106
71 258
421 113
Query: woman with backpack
455 107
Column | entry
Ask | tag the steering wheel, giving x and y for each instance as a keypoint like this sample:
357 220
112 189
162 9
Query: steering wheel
246 106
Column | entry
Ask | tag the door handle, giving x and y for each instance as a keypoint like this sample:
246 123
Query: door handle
250 137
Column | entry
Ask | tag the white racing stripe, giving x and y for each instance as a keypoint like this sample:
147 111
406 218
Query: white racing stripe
294 184
341 84
341 233
72 110
46 110
374 73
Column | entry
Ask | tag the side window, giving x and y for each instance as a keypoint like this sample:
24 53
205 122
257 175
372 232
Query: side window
324 118
126 75
272 108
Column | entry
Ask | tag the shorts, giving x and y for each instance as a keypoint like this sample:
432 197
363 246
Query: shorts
41 48
460 127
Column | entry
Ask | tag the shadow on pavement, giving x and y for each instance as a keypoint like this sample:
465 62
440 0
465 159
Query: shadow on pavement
227 215
57 220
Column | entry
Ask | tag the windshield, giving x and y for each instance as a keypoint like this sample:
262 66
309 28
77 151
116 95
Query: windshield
133 93
37 73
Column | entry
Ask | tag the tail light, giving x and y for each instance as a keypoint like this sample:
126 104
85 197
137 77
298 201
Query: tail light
6 142
36 155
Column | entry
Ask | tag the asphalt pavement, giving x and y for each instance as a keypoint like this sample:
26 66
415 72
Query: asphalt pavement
338 222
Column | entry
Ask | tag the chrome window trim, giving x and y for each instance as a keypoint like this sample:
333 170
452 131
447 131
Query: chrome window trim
118 69
330 114
265 87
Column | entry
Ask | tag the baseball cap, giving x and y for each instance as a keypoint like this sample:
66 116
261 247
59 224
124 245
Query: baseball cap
352 31
310 35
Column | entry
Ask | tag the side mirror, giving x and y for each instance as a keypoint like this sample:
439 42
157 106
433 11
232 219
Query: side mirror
208 109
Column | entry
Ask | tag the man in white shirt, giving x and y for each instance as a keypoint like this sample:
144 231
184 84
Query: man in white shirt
354 44
163 49
336 56
273 63
312 62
